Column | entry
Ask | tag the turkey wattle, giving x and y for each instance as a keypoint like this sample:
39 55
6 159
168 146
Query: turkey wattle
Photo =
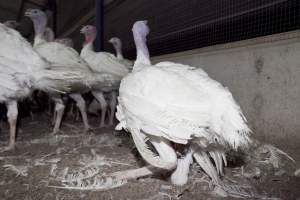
178 103
103 62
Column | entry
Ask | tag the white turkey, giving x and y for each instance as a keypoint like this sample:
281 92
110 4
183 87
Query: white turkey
22 71
117 44
170 102
68 60
49 36
103 62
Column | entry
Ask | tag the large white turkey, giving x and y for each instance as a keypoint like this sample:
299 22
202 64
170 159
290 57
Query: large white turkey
22 71
68 60
103 62
117 44
170 102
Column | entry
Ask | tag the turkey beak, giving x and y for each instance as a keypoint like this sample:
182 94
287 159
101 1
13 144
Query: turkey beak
28 13
111 41
83 30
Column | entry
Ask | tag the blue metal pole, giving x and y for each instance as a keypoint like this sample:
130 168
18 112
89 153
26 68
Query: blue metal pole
99 24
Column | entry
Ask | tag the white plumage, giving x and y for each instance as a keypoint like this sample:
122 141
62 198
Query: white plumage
63 58
182 103
103 62
174 102
22 70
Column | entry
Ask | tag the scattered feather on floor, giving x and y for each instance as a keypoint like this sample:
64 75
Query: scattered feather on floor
297 172
19 170
81 174
274 155
53 170
95 183
94 160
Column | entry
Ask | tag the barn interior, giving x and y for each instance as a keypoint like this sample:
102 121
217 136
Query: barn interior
252 48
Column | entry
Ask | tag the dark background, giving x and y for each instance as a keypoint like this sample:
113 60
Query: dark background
176 25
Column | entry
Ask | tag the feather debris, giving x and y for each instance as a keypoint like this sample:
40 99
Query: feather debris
297 172
95 160
85 173
95 184
274 155
53 170
19 170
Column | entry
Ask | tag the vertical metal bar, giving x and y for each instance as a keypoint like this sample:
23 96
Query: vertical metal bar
20 14
52 6
100 25
54 16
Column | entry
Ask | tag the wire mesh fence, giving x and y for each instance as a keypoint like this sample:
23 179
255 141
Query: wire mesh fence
180 25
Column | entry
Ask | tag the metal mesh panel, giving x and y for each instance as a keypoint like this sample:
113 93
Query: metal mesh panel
180 25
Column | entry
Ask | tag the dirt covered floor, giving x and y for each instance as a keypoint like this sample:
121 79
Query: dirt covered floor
70 165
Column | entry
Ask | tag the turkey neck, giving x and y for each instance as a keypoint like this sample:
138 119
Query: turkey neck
142 51
39 29
118 48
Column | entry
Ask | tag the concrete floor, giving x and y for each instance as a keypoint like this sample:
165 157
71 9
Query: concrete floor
42 161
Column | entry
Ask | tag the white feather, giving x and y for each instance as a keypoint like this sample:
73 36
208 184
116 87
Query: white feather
182 102
103 62
15 48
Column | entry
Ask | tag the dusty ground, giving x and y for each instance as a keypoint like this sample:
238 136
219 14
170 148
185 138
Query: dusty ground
44 161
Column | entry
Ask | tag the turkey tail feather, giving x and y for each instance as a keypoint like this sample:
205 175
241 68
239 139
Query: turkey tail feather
55 81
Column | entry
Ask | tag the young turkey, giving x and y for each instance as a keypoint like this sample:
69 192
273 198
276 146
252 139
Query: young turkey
117 44
171 102
68 60
22 71
103 62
